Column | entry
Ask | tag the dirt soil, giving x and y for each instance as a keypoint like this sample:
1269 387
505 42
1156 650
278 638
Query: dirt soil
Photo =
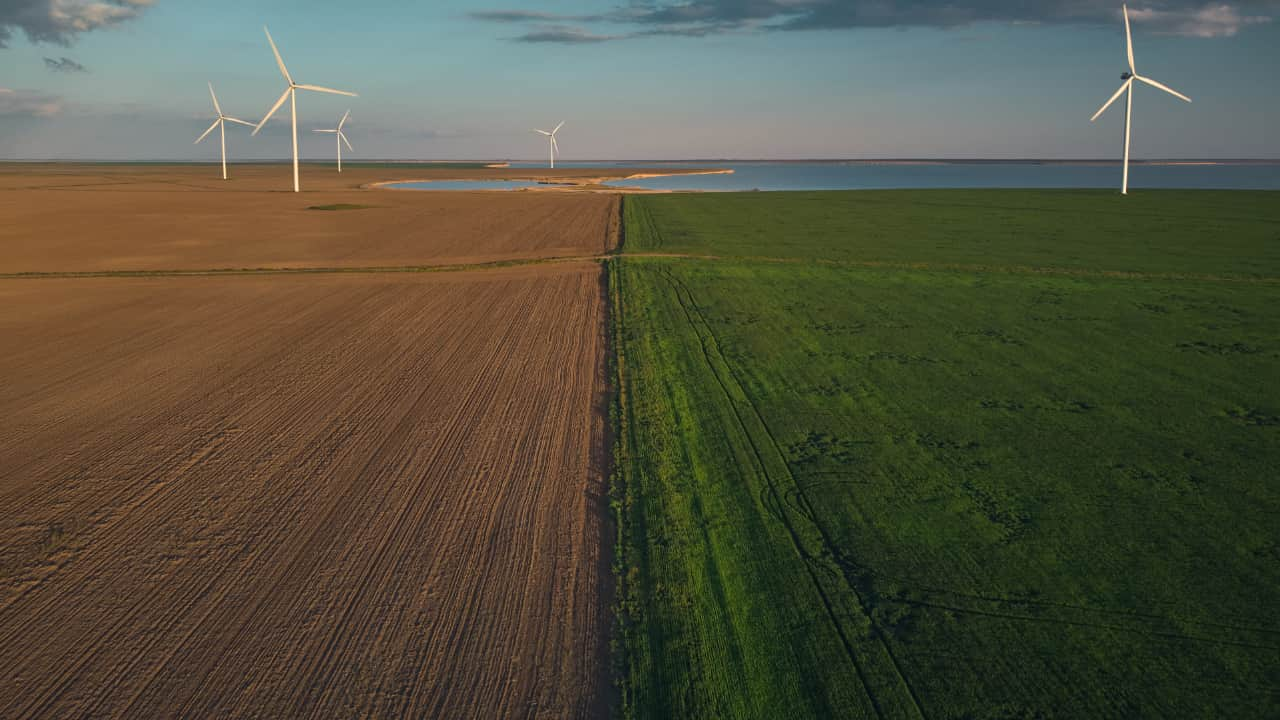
88 218
320 495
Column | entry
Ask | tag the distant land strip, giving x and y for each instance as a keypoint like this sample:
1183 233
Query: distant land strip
453 164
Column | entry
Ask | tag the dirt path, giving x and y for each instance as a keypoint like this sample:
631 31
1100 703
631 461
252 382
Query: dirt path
553 260
312 496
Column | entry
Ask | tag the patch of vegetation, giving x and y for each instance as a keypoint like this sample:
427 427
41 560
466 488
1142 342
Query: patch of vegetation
908 493
340 206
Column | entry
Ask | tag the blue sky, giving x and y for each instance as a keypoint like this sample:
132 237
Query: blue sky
704 79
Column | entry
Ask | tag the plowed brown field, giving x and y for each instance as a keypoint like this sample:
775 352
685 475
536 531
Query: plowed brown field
184 218
334 495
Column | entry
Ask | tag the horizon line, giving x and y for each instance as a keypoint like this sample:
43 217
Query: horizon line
1214 160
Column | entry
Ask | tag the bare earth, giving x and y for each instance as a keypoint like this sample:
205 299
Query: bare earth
98 219
335 495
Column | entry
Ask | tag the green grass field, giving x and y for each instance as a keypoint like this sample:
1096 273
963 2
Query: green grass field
1167 231
878 481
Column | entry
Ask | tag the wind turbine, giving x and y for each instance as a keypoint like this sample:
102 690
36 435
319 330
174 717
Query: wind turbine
341 138
291 94
1127 87
221 124
555 148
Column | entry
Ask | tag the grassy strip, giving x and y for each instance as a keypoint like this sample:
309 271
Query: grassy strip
622 226
341 206
707 634
628 614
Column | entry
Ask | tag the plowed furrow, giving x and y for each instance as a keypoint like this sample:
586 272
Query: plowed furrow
305 497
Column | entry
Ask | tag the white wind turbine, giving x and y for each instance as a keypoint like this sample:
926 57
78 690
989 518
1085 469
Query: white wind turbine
1128 78
341 138
555 147
291 94
221 124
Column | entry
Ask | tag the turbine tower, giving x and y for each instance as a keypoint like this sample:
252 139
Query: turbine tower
1127 87
221 124
341 138
291 94
555 147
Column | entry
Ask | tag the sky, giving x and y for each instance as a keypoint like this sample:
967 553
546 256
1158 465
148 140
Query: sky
647 79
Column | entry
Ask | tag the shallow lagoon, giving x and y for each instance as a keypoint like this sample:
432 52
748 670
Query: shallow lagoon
870 175
768 176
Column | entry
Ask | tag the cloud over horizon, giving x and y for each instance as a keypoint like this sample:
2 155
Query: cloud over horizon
60 21
699 18
64 64
566 34
28 103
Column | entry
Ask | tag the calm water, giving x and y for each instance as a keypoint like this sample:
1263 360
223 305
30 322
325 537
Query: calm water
869 176
865 176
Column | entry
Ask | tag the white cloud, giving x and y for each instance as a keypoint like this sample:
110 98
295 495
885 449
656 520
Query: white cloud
28 103
699 18
60 21
1208 22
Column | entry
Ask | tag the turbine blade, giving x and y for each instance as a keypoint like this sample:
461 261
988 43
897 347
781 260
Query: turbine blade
553 132
343 121
331 91
273 110
279 60
1163 87
206 132
1128 37
237 121
214 95
1115 97
555 146
346 141
325 131
542 132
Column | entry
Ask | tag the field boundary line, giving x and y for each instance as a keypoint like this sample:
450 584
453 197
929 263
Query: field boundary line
609 698
628 598
619 252
621 234
624 609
